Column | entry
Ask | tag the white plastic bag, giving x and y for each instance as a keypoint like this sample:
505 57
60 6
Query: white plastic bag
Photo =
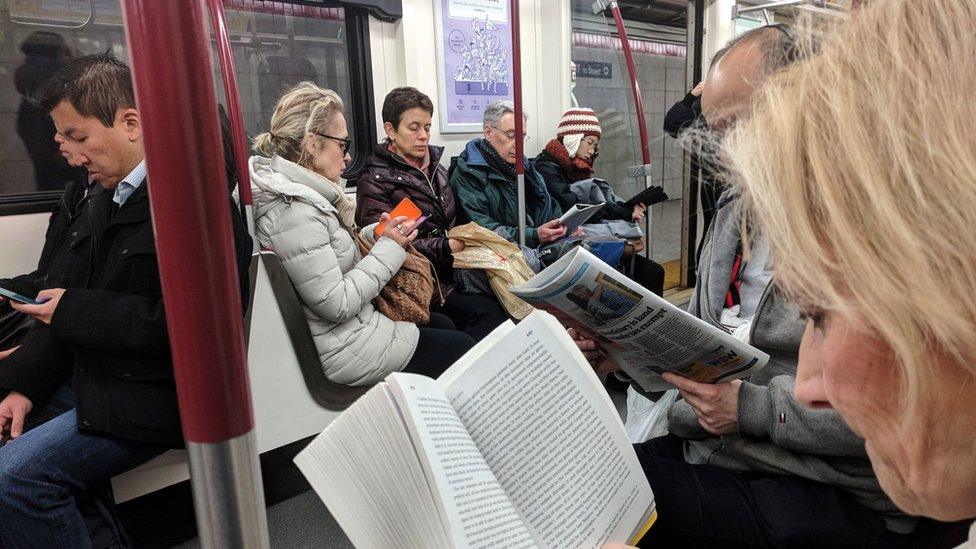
647 418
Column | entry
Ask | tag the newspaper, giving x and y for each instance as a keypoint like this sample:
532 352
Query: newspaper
644 334
578 215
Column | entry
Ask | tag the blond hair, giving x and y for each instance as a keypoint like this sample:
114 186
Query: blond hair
302 110
859 166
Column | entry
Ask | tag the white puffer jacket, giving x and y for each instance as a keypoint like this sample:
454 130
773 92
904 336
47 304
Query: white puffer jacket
295 217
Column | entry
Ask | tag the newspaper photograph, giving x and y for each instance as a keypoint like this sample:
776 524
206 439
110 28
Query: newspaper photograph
644 334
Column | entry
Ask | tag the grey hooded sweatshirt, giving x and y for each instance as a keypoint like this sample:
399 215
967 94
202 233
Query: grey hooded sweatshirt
777 434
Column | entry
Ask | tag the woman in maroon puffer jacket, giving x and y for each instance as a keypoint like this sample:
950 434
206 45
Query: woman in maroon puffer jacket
406 165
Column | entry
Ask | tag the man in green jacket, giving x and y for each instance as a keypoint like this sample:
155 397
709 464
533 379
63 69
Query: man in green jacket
484 178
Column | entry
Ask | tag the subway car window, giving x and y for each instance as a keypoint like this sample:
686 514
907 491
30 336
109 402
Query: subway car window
276 45
657 38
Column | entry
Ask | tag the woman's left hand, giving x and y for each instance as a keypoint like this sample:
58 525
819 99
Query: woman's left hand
639 211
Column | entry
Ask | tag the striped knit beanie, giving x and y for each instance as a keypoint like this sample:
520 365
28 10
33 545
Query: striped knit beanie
575 125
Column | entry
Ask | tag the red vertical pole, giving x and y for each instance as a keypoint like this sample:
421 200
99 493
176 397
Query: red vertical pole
645 143
174 86
634 85
519 118
225 54
517 87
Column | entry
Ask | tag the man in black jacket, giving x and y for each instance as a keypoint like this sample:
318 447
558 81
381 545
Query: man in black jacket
102 357
51 268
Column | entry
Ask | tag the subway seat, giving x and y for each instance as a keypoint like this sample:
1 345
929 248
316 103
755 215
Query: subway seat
291 396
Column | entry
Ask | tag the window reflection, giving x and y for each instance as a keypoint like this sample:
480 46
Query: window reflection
44 54
275 44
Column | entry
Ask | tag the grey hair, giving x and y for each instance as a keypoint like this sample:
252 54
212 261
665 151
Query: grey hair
497 109
777 43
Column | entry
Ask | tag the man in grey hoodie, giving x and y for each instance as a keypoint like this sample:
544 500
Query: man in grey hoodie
745 464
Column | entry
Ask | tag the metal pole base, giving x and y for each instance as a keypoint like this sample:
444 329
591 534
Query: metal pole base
228 496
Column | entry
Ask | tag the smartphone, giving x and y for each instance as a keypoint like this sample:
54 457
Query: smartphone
20 298
407 208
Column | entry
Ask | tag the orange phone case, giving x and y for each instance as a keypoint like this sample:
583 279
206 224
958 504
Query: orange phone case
405 207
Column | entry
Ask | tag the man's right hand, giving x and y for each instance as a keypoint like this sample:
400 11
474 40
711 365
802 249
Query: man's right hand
600 362
697 90
8 352
551 231
13 410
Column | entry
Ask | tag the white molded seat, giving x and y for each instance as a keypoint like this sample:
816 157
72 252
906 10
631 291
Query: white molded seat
292 397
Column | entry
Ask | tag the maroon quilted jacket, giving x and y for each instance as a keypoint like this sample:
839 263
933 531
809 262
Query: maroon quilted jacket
387 179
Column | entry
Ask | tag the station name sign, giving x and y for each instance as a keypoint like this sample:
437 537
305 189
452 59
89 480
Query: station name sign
594 69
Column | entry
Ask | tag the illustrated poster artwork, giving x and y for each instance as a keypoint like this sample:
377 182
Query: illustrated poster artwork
476 65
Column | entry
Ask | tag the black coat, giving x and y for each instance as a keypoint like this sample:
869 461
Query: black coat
683 115
386 180
111 328
558 184
52 268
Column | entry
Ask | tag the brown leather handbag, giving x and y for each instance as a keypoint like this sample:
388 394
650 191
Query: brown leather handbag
407 296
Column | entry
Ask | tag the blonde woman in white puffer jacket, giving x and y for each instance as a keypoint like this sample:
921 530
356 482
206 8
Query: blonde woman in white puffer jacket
303 215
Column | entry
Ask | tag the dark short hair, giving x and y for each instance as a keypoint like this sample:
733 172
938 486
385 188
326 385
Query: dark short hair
95 85
403 99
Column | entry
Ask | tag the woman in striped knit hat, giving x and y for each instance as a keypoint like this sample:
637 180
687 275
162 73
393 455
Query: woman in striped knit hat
569 158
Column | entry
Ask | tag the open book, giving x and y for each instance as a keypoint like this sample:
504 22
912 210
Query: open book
516 445
578 215
644 334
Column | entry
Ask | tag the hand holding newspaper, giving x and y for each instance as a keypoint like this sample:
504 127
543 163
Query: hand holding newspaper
578 215
642 333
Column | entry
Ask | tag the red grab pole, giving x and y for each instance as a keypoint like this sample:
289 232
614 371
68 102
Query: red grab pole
634 85
174 86
238 135
517 87
519 119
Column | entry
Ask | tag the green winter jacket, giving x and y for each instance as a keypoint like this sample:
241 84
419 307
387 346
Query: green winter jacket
490 199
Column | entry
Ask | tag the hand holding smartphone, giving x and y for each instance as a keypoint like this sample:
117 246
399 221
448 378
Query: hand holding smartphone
14 296
406 208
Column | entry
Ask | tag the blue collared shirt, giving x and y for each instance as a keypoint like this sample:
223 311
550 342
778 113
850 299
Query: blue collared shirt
130 184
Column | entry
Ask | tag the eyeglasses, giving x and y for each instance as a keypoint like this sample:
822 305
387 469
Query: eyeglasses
510 134
344 144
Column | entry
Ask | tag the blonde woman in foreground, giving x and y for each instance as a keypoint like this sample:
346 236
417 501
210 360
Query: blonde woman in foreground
859 166
302 213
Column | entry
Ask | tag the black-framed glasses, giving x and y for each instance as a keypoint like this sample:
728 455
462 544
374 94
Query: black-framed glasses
344 144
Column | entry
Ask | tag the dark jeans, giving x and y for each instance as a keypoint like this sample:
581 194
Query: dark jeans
647 273
707 506
52 471
475 314
440 344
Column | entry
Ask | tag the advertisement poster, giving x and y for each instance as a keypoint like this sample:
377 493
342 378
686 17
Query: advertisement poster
474 61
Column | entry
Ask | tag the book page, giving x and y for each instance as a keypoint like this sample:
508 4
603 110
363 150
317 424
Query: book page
477 510
368 472
552 437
